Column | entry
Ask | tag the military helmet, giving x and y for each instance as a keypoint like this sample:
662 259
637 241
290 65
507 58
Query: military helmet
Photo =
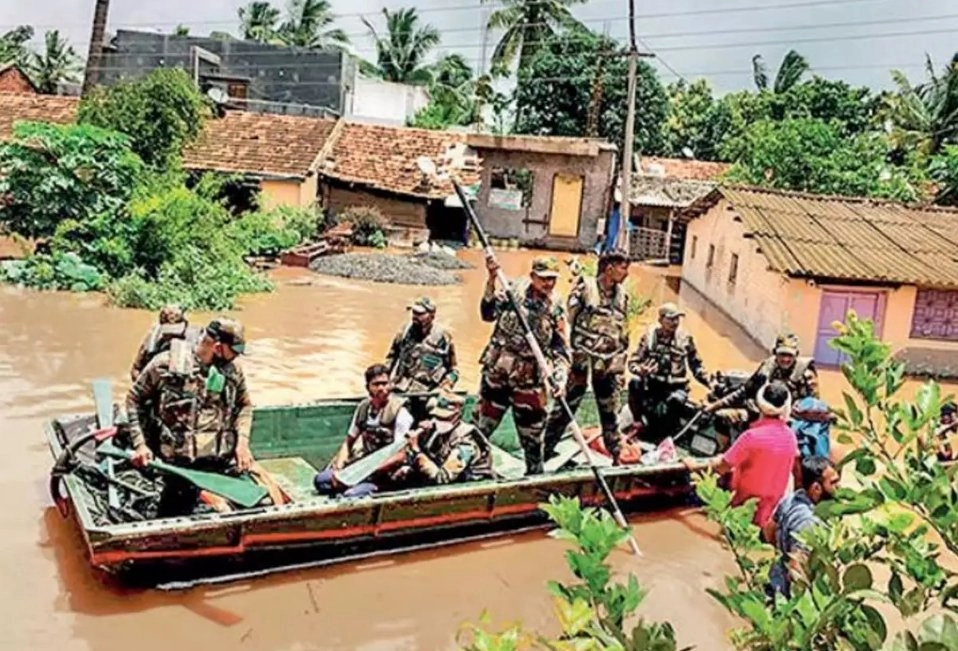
786 344
172 313
229 332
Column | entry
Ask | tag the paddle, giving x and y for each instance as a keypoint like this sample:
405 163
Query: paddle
544 368
360 470
103 400
241 491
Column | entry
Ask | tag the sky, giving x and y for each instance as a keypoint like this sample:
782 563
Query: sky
855 40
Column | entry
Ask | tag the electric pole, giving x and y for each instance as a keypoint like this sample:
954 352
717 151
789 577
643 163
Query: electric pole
95 52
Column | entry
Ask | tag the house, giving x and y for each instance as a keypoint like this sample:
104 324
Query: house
776 261
545 191
376 165
16 107
14 80
663 191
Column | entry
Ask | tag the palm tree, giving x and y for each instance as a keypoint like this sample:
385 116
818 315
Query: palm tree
95 51
59 62
258 22
308 25
399 56
793 67
181 30
13 45
926 116
527 23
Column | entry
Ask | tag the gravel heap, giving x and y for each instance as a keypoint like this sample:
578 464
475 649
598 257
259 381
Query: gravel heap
416 269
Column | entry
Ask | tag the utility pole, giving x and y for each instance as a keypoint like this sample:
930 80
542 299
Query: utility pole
626 185
95 53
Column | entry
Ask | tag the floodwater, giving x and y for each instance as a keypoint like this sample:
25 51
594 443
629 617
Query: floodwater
310 339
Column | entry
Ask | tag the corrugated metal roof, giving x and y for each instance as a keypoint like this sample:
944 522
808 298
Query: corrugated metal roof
840 238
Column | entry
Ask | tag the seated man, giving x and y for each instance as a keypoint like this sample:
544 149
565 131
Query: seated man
378 420
171 324
194 404
445 449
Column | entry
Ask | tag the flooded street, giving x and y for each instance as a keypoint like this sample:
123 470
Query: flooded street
310 339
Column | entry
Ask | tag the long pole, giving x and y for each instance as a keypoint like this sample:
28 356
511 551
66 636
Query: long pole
95 53
629 137
544 369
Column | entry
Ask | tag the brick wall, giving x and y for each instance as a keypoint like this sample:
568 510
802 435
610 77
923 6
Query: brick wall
14 81
409 213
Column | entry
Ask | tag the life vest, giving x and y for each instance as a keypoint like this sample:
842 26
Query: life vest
195 421
508 351
422 362
602 321
376 430
439 446
794 378
671 357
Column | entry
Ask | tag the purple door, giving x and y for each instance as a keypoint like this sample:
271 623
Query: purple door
834 307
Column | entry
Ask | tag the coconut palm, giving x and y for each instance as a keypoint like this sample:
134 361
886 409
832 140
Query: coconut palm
926 115
58 62
525 25
401 52
258 22
13 45
308 24
790 72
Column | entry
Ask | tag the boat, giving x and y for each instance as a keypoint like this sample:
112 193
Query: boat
292 443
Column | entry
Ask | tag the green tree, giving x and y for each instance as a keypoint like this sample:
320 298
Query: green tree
790 72
943 169
59 62
161 113
181 30
825 99
259 22
694 121
309 23
13 45
526 25
925 116
455 97
401 53
554 92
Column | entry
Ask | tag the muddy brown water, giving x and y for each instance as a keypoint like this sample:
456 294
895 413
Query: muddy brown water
310 339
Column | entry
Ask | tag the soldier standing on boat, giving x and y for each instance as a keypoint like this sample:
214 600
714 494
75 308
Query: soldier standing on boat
171 324
598 311
191 408
511 377
422 358
444 449
379 420
660 366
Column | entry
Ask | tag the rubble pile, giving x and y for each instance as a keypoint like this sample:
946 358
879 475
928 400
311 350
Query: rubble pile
430 268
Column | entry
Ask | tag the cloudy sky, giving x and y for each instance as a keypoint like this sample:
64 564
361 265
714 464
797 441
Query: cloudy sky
857 40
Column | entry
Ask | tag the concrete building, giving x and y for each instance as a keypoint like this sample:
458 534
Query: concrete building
548 192
777 261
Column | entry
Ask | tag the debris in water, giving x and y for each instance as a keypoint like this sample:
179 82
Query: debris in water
432 268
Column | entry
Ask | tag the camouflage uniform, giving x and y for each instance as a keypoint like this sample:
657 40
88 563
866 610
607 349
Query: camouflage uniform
600 343
450 451
510 374
170 325
668 384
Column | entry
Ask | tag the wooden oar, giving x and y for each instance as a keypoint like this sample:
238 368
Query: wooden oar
241 491
360 470
544 368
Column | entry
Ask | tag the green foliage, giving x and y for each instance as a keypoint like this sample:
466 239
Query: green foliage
694 121
554 92
401 52
13 45
368 225
57 63
525 25
57 173
56 271
161 113
308 24
592 612
944 171
269 232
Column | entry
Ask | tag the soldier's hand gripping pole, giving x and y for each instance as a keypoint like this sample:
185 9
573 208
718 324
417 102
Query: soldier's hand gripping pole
544 369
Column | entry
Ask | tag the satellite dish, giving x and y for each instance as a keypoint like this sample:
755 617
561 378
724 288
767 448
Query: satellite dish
218 95
688 153
426 166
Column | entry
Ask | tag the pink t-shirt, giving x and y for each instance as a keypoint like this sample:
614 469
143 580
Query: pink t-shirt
762 460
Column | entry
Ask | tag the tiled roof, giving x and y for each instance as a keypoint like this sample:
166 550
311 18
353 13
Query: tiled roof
680 168
668 193
259 143
384 158
842 238
15 107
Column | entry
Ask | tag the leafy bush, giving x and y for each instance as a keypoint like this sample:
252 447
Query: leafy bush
271 231
368 225
53 271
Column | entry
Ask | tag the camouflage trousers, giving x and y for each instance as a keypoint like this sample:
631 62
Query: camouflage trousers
496 395
606 386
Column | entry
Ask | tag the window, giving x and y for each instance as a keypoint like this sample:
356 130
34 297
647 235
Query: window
711 261
733 269
695 243
935 315
510 189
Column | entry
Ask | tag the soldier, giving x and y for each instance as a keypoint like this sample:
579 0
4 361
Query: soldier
660 365
798 374
445 450
598 314
378 420
510 375
422 358
171 324
190 407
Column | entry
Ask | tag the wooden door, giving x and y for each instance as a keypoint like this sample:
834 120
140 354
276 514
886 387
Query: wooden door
566 205
834 307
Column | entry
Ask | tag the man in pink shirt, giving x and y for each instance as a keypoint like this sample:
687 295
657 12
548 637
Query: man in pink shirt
764 457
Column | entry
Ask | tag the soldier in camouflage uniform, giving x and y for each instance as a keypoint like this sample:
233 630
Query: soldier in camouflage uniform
444 449
785 365
422 358
660 366
510 375
598 311
171 324
190 407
